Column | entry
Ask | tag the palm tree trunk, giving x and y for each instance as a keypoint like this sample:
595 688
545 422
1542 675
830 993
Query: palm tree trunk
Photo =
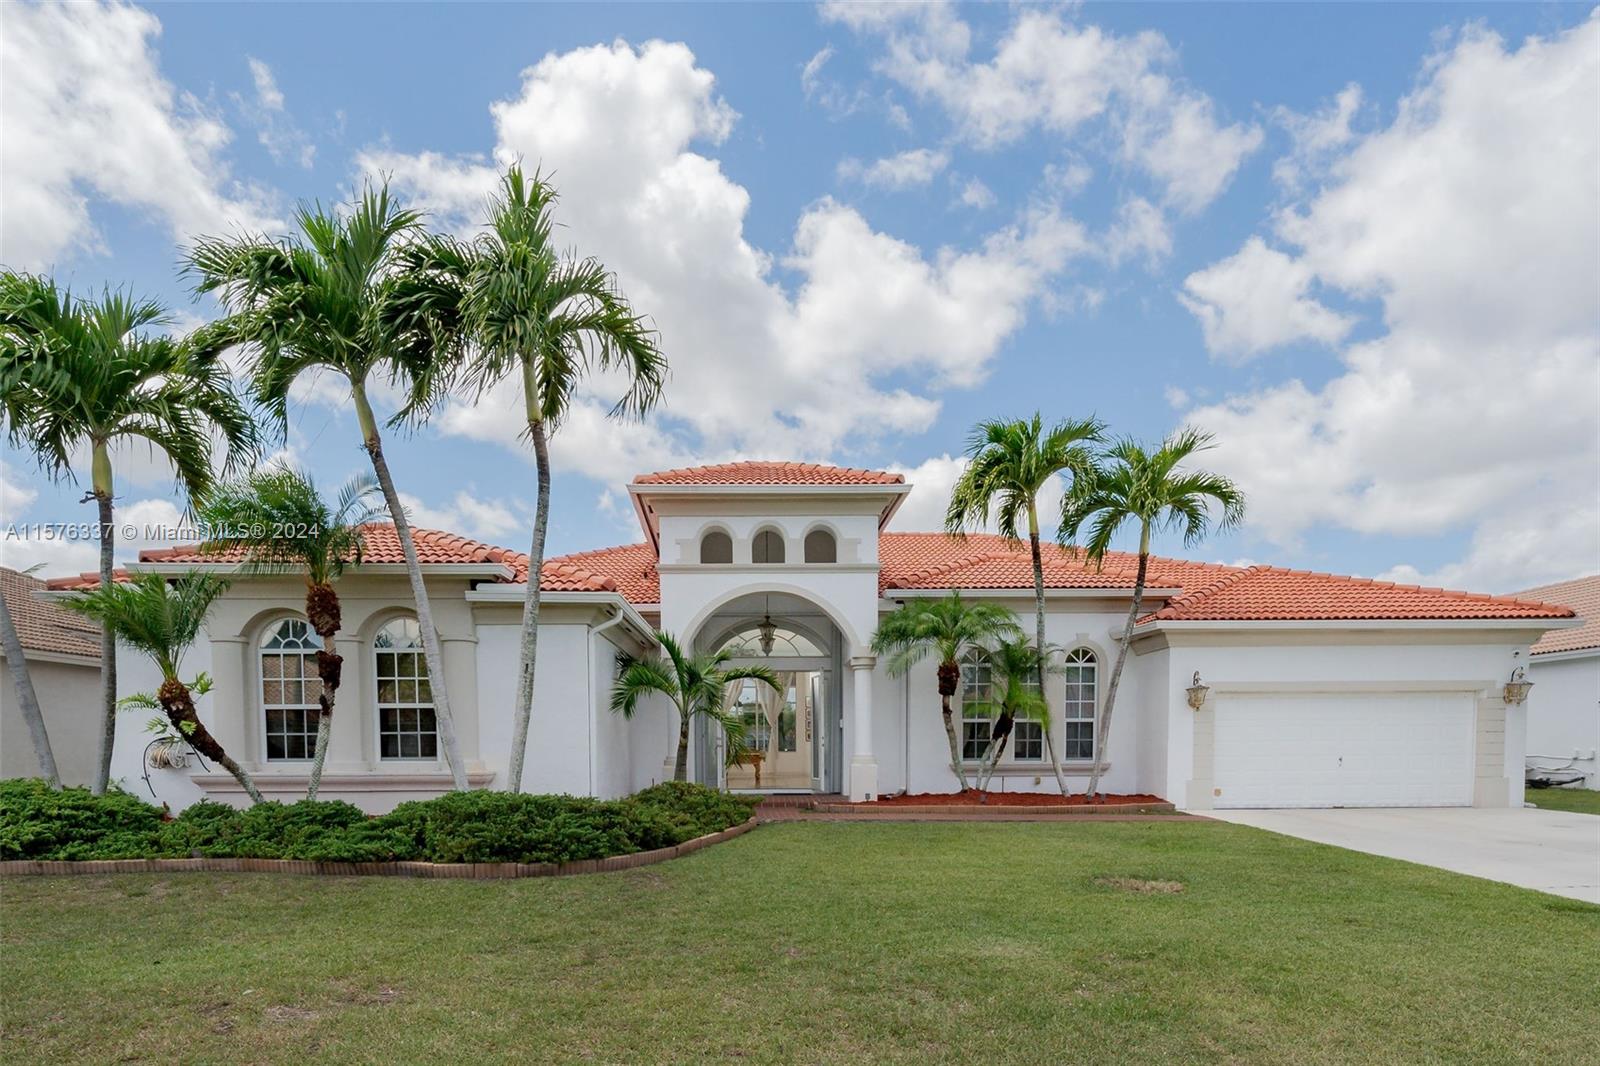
949 678
1102 737
1038 614
27 698
997 748
530 603
178 702
108 641
443 717
680 768
323 612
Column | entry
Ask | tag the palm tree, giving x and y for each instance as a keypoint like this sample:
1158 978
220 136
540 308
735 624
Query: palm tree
1014 692
81 375
335 298
1135 484
280 521
22 684
518 307
1010 463
694 684
949 627
162 620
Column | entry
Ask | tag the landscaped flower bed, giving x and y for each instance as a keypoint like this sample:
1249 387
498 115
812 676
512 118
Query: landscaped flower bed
972 797
461 827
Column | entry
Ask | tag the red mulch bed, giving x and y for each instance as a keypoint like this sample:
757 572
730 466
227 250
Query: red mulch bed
973 798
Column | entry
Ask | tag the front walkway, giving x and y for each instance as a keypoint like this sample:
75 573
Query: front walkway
1549 851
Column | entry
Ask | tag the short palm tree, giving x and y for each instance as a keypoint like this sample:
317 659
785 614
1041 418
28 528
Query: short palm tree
1014 693
282 523
519 308
695 685
83 375
950 627
162 620
1145 486
334 298
1010 464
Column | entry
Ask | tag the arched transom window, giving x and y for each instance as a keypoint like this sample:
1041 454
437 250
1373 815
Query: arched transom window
785 641
1077 734
767 547
407 728
290 688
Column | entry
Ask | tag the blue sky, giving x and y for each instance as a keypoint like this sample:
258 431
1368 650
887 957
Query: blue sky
1360 243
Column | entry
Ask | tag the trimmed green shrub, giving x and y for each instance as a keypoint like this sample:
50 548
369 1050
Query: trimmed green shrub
36 823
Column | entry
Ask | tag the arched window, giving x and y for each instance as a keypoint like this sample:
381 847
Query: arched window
289 689
785 642
716 547
1077 734
767 547
407 728
821 547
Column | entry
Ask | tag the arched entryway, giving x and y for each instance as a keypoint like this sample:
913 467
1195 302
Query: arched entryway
794 739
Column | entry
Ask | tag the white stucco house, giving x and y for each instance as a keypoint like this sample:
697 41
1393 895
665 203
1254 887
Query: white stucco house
1320 690
1564 704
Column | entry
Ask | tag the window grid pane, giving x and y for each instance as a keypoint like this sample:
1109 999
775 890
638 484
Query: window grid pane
1082 674
290 689
407 726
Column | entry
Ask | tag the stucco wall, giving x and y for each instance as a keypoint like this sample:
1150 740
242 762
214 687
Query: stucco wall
69 700
1563 713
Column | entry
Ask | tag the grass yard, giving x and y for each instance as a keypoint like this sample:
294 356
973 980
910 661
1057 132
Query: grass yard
819 943
1581 800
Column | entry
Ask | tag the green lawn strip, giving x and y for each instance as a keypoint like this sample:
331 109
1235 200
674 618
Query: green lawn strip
1579 800
819 942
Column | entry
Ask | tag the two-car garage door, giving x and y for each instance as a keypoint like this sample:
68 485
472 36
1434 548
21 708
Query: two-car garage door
1389 749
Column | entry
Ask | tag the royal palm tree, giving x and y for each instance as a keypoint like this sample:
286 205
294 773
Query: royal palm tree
950 627
695 685
281 523
1010 463
80 376
1014 693
520 309
22 683
334 298
162 620
1148 487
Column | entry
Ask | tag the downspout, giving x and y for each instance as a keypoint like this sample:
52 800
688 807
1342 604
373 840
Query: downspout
594 705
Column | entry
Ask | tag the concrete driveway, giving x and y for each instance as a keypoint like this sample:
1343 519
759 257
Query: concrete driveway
1551 851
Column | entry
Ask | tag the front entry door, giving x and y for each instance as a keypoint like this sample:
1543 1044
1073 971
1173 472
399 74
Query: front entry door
781 729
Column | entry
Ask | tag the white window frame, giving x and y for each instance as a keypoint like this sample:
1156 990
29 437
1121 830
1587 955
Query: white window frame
416 678
1077 711
975 664
310 709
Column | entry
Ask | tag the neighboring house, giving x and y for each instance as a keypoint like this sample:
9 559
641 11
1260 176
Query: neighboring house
63 654
1322 690
1564 703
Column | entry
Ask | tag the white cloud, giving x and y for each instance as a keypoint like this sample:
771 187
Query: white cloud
811 73
15 497
976 194
757 368
276 129
86 111
917 166
933 480
1472 219
1139 230
1314 139
1257 299
1052 74
467 514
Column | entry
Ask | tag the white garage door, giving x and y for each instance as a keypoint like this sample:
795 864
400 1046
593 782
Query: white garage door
1411 749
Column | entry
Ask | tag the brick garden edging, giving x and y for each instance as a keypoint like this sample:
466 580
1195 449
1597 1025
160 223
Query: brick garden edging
977 811
482 871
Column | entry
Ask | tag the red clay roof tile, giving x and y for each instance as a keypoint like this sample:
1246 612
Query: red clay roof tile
761 472
1583 596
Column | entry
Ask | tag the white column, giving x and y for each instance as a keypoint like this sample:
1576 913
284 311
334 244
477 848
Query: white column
863 766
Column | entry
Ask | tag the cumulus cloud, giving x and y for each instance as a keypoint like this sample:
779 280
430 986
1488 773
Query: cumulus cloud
859 346
1049 73
87 112
917 166
1471 219
1258 299
932 481
1139 230
468 514
977 195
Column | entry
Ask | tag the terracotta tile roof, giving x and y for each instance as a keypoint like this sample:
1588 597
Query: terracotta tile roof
629 569
1583 596
987 561
1270 593
43 626
769 473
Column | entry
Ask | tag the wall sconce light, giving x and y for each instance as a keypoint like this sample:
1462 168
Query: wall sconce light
1198 692
1516 690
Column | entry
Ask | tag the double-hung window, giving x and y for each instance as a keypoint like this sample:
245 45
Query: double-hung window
977 684
407 727
290 689
1077 734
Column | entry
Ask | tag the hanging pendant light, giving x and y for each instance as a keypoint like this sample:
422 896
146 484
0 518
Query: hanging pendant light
768 630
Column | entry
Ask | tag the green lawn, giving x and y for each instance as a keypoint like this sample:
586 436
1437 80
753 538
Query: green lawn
1582 800
818 942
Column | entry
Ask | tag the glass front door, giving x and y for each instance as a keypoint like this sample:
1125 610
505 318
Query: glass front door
780 728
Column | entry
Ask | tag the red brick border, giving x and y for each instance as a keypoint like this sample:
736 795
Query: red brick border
980 811
472 870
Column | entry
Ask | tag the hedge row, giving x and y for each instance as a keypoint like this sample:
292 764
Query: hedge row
37 823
